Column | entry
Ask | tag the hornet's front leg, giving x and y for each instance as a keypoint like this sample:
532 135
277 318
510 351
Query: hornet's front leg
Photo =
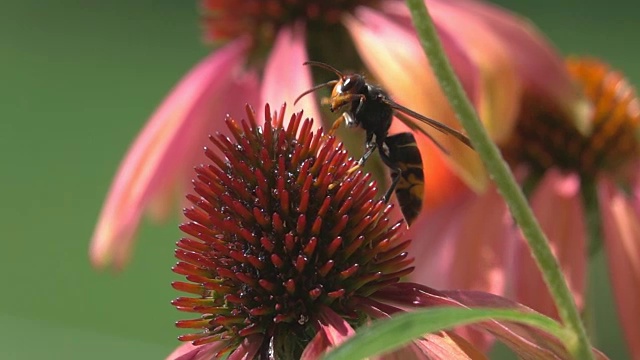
347 118
338 101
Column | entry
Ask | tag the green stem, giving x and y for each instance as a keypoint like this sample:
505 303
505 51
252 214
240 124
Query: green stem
579 345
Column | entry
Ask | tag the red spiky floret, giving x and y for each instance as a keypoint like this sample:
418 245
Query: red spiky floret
279 228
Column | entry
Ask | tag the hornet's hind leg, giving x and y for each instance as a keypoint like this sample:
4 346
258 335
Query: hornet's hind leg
400 153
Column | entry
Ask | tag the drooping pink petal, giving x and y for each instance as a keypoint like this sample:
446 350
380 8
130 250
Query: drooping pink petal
448 345
476 50
284 75
539 64
393 54
316 347
188 351
529 343
500 83
240 92
621 225
464 244
526 341
467 72
557 206
157 156
248 349
440 345
332 330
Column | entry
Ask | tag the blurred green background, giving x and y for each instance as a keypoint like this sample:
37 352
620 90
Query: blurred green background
77 81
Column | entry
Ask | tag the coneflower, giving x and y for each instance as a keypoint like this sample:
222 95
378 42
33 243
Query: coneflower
582 177
289 250
263 45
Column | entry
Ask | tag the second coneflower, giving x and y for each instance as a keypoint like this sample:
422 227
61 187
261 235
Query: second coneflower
582 178
288 251
265 44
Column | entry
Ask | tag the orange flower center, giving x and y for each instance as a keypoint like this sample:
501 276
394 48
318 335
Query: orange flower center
545 138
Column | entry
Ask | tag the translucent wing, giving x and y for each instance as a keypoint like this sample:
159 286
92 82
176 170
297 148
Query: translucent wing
433 123
460 153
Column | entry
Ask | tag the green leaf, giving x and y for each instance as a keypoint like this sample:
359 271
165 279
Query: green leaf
388 334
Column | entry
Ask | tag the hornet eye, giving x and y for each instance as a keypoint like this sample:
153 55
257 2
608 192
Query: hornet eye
347 84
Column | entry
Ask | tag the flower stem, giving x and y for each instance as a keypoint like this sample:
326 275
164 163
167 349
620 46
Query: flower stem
579 345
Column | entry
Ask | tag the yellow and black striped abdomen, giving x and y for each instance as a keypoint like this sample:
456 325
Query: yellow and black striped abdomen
406 164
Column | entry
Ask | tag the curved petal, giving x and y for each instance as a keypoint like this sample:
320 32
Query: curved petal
188 351
440 345
393 54
157 155
498 85
466 70
285 77
539 64
316 347
557 206
464 244
621 225
526 341
448 345
238 93
248 349
332 330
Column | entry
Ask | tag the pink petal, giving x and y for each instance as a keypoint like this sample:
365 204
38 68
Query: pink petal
284 75
187 351
438 346
557 206
393 54
441 345
316 347
446 345
462 64
538 62
464 244
526 341
238 93
155 160
336 328
501 87
332 331
488 58
621 225
248 349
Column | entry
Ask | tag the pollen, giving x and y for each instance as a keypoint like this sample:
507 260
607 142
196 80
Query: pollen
546 138
270 241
